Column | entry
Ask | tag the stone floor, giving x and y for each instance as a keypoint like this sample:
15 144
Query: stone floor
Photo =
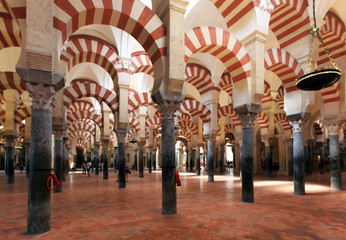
93 208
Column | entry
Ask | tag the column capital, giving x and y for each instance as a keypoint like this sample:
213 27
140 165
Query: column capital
297 125
267 141
247 119
168 108
58 134
141 144
97 146
10 140
210 136
105 143
333 128
121 135
43 96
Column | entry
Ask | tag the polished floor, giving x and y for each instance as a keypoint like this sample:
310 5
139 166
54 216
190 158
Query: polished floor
93 208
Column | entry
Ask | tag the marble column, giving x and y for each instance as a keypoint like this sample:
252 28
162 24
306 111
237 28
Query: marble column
135 163
269 159
154 159
247 164
105 143
27 159
64 159
9 157
38 220
311 156
187 160
141 159
298 158
149 160
115 159
322 159
121 134
58 158
198 160
211 143
334 151
306 158
169 193
290 156
192 159
92 159
221 157
97 158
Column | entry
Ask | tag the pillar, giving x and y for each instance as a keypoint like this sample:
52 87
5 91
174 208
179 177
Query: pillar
269 159
135 161
38 220
27 158
9 157
198 160
64 159
121 134
169 194
97 158
154 160
192 159
247 122
105 158
115 159
149 160
141 159
211 143
187 159
322 159
311 156
334 151
58 158
221 157
298 158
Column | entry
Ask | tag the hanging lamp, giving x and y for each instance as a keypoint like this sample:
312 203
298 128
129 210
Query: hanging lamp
317 80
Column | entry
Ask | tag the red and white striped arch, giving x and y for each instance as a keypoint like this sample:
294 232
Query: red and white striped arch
11 80
195 108
185 122
228 111
83 115
199 77
152 122
21 114
88 89
80 106
229 128
318 126
290 21
226 84
128 15
333 35
280 97
185 135
282 119
80 134
2 116
133 122
234 10
223 46
10 35
82 126
179 138
82 48
263 120
267 97
285 66
331 94
141 63
81 143
139 99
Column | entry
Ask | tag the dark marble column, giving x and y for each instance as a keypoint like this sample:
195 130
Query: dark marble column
9 157
115 149
221 157
38 220
67 148
247 120
322 160
27 159
211 143
149 160
298 158
105 143
198 160
269 160
306 159
187 160
311 157
135 161
169 193
192 159
58 158
216 157
335 173
97 158
154 159
141 159
121 134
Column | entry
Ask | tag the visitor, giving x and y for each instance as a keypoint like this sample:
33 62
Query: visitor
84 167
88 165
127 171
73 169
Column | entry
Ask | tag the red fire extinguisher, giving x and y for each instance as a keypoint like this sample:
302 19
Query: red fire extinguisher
177 179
